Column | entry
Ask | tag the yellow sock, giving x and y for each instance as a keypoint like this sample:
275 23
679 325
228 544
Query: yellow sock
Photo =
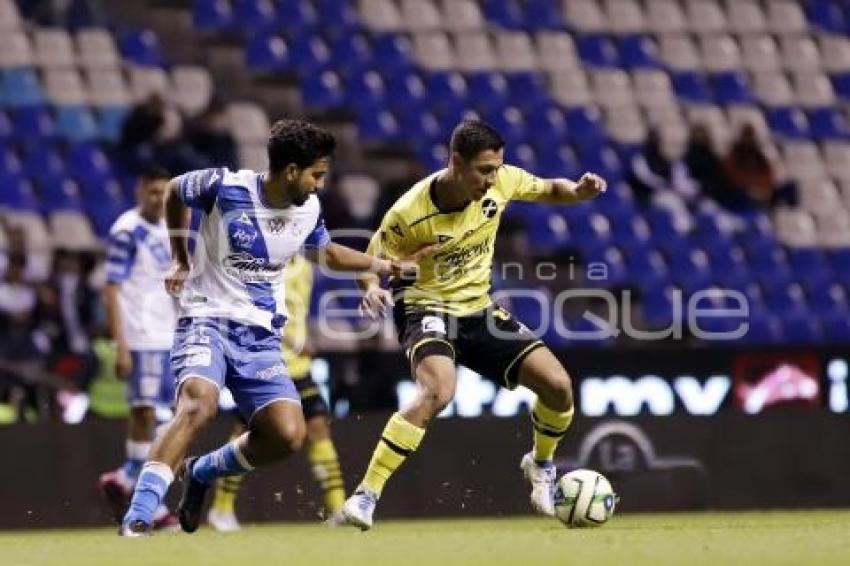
399 439
225 493
549 427
326 470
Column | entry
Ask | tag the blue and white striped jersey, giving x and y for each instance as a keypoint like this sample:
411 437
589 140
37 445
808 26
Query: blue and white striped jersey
137 259
242 246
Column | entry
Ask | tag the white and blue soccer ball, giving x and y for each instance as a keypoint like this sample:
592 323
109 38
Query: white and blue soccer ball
584 498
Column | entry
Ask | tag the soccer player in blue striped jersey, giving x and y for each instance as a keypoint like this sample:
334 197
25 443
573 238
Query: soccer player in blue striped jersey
141 316
232 311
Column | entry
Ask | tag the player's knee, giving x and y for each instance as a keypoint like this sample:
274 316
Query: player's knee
288 437
561 392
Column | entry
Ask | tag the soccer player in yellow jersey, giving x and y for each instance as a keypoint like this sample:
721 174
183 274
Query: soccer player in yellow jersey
321 453
447 317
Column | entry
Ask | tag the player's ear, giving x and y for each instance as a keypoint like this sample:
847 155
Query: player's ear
290 173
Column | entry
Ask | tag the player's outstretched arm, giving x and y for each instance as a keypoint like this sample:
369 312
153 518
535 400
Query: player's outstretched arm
342 258
564 191
177 217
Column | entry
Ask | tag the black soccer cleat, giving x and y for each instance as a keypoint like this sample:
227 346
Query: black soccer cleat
191 504
135 529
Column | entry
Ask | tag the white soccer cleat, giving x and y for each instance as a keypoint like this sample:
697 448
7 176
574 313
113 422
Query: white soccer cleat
359 508
223 522
542 479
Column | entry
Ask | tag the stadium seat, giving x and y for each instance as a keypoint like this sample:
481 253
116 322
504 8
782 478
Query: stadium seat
835 53
788 123
679 53
145 81
142 48
732 87
462 15
365 92
541 14
745 17
107 88
653 88
488 91
475 52
829 124
571 89
267 53
70 229
379 127
192 88
720 53
420 15
391 52
760 53
309 54
34 124
433 51
639 52
515 52
380 15
585 16
17 193
59 193
556 51
254 15
350 54
19 87
665 16
64 87
96 49
785 17
110 121
53 48
705 16
212 15
337 16
597 51
691 87
15 50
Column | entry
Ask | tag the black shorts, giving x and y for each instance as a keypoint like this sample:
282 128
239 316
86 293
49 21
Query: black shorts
491 342
312 402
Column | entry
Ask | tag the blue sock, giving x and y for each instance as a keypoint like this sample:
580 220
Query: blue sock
226 461
150 490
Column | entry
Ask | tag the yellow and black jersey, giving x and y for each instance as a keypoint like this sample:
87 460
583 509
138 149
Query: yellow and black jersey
298 281
455 279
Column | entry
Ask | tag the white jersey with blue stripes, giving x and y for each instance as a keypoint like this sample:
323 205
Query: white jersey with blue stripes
138 257
242 245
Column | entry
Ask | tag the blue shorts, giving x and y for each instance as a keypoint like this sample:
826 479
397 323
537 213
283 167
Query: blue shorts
151 382
246 359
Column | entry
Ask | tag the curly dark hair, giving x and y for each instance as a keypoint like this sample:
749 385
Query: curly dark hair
298 142
471 137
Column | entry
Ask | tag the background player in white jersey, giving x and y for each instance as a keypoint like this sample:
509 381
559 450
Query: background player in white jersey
141 316
232 310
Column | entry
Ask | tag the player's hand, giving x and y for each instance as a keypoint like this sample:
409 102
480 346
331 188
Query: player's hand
590 186
376 303
175 277
123 362
407 268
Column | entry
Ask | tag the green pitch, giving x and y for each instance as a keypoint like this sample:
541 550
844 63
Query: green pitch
710 539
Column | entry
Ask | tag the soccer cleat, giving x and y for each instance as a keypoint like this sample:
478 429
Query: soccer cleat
135 529
166 523
194 492
358 509
116 494
223 522
542 478
336 519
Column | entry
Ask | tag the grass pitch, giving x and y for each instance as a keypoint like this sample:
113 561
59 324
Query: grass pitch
710 539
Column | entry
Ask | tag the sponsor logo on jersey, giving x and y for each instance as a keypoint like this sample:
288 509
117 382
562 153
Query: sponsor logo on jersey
433 324
489 207
242 238
250 269
270 373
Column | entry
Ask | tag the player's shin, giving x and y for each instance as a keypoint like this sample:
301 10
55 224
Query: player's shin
153 483
549 427
325 465
399 439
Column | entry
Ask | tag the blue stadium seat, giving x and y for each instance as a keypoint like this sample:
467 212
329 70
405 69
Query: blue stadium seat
549 124
392 52
657 307
378 127
597 51
828 299
268 53
601 160
828 124
296 16
639 52
647 269
585 127
504 13
591 232
89 164
615 267
421 127
253 15
17 193
691 87
6 130
322 91
351 53
20 87
447 91
691 270
787 300
809 266
103 190
801 329
76 124
488 91
34 124
59 193
214 15
826 15
434 157
406 89
521 155
763 329
337 16
10 163
836 328
547 229
841 84
110 120
365 91
839 260
732 87
789 123
142 47
541 14
528 90
43 162
557 160
309 54
510 123
102 216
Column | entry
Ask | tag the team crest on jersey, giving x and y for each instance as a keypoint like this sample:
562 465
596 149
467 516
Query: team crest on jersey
489 207
396 229
276 225
244 218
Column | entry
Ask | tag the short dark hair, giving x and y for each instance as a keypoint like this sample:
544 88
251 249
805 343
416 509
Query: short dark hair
471 137
153 173
298 142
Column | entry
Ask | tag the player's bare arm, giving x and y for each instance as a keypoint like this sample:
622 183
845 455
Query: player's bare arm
564 191
177 218
123 360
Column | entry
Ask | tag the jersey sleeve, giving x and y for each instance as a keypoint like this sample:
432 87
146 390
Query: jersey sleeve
199 189
522 185
392 240
319 237
120 254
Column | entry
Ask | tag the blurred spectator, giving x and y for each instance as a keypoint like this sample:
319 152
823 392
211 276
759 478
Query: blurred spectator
17 313
152 136
751 172
210 136
65 13
706 168
652 172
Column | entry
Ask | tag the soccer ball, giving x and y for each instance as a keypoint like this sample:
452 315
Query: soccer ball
584 498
